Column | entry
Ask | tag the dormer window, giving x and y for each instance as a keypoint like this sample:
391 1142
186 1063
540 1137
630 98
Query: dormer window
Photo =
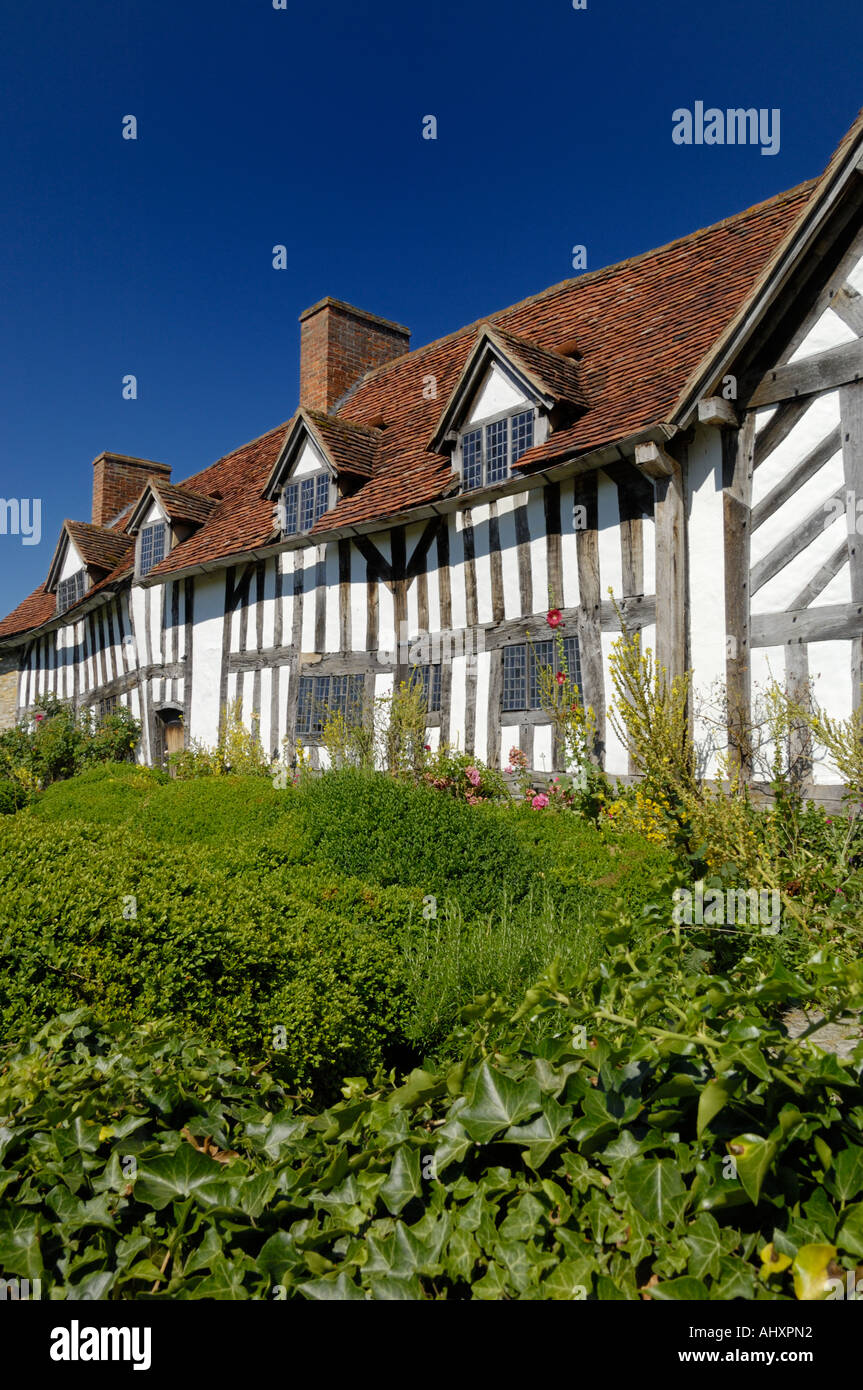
304 502
488 452
151 547
70 590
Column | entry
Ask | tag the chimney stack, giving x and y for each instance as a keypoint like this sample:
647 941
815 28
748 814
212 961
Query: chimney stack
338 345
118 480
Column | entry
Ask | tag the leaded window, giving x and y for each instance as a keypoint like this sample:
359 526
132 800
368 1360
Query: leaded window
152 547
521 684
304 503
429 677
320 696
70 590
488 453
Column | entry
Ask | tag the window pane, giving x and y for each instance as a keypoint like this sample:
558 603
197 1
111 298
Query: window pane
542 654
514 682
434 695
496 462
291 499
429 677
471 458
322 495
522 433
355 699
152 546
573 660
307 504
304 705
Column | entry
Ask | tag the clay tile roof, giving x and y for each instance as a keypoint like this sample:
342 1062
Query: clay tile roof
101 546
33 612
351 446
184 503
559 376
642 328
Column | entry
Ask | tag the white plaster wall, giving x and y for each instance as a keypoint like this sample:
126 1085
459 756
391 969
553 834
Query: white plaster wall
542 748
207 656
830 675
72 561
829 331
616 761
705 527
309 460
509 554
609 538
568 545
780 592
538 550
811 429
496 395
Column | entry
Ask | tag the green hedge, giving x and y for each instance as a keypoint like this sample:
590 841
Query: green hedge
140 931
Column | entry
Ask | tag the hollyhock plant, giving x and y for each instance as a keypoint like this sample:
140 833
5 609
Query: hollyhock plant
561 678
554 617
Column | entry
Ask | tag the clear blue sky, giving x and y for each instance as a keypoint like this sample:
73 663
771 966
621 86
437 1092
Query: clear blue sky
302 126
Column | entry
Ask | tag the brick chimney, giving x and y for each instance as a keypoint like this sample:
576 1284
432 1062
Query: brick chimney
119 480
338 345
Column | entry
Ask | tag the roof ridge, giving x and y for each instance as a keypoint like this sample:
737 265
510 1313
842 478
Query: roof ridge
589 276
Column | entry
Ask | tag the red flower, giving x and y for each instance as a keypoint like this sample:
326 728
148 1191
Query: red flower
560 678
426 747
554 617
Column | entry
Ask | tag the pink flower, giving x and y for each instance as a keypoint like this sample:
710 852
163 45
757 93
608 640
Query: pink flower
509 770
554 617
473 776
560 678
539 802
472 800
39 718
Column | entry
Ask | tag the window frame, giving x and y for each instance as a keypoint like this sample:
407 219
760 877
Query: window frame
482 428
528 676
308 724
162 525
295 485
80 589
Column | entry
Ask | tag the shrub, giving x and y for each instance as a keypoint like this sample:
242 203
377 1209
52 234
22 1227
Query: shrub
392 832
661 1139
142 931
57 741
12 796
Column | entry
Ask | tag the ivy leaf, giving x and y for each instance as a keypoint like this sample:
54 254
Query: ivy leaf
656 1189
496 1102
714 1096
174 1176
341 1289
810 1270
753 1156
404 1180
850 1234
19 1245
684 1288
705 1242
846 1179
